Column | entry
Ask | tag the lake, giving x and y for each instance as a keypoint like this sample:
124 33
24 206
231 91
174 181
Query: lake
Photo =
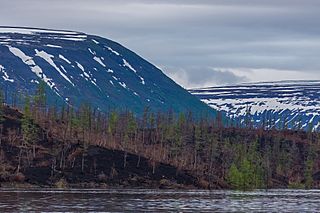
137 200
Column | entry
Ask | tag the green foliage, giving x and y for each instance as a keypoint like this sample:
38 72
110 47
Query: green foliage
296 185
74 119
29 130
235 178
113 120
181 120
308 174
132 124
248 176
27 107
152 120
85 116
40 96
198 138
246 158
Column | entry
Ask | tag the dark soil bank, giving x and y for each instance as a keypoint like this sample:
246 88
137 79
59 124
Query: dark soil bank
52 163
99 167
95 167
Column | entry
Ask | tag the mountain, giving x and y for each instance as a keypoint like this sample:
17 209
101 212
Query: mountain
293 104
79 68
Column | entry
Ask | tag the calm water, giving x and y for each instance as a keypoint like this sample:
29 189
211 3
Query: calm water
49 200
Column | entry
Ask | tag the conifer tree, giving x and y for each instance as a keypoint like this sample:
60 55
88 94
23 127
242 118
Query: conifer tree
29 130
308 174
40 96
113 120
234 177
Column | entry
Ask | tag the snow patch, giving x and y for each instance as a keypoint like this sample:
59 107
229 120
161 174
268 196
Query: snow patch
99 61
34 68
63 69
142 80
126 64
34 81
48 58
70 39
33 31
5 75
113 51
123 84
80 66
136 94
63 58
53 46
92 52
86 76
95 41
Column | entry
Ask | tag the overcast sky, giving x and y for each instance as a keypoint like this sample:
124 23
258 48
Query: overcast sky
196 42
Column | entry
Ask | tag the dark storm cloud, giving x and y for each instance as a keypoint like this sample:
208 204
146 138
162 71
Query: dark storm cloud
199 38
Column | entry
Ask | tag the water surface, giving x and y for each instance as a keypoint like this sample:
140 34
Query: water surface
135 200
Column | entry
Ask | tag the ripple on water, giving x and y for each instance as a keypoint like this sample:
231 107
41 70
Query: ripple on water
115 200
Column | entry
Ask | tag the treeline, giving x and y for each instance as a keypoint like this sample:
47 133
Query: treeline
218 154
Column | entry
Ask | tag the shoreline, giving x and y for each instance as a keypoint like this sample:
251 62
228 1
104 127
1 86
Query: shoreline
9 186
105 186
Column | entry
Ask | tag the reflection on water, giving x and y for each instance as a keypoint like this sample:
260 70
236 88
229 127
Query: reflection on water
48 200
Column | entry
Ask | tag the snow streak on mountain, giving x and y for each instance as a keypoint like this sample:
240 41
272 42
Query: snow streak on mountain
79 68
293 104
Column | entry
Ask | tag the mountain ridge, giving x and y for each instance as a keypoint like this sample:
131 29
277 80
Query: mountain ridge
291 104
79 67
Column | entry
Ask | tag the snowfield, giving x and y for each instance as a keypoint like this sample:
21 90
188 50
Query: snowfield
288 103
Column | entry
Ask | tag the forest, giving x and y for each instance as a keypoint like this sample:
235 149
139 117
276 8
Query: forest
50 142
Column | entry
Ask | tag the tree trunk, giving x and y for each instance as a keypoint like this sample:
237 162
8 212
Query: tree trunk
1 131
139 158
19 160
125 160
82 163
34 151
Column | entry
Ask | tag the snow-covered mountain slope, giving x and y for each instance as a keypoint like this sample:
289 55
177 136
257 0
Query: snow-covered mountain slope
293 104
80 68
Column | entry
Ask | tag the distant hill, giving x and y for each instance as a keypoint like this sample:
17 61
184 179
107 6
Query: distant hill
80 68
293 104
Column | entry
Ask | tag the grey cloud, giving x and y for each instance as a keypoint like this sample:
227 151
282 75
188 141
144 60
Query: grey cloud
271 34
204 76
